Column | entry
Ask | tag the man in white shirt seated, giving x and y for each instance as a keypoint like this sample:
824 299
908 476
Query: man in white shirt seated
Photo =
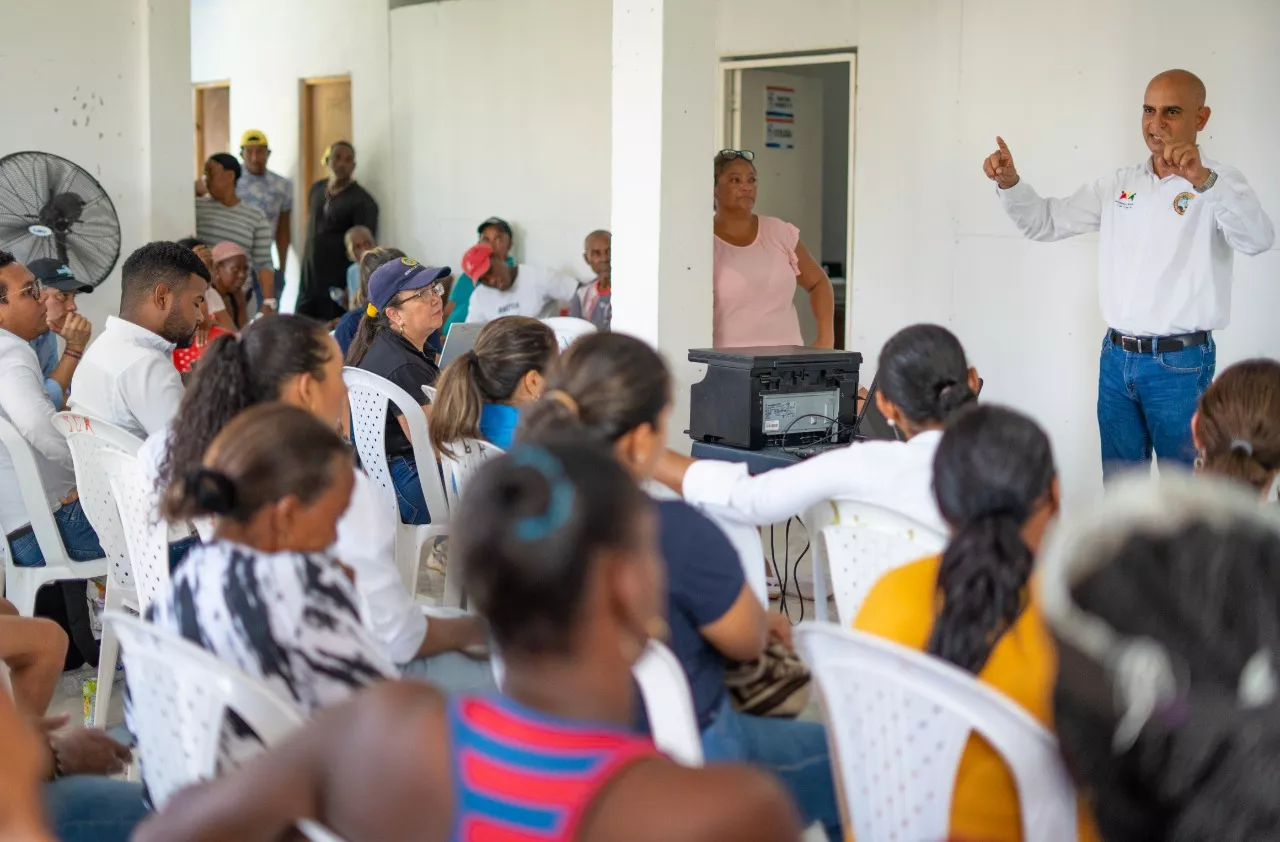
25 404
127 376
1169 228
505 290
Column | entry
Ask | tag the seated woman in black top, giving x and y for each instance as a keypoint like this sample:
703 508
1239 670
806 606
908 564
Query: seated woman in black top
405 307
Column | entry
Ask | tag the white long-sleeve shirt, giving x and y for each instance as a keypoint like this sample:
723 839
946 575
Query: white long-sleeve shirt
127 377
25 404
897 476
1166 252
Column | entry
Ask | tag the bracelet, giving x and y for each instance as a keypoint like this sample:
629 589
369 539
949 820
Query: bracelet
270 302
75 355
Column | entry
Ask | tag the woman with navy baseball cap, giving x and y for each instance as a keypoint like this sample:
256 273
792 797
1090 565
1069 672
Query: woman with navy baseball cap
405 307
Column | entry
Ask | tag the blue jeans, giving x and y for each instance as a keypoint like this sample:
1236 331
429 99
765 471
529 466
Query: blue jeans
1146 401
90 808
452 672
794 750
77 535
409 495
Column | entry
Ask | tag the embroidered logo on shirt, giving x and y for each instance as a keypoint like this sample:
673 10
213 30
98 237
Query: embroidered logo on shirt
1126 199
1182 202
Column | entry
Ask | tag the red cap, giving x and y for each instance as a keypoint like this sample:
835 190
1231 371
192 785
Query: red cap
476 261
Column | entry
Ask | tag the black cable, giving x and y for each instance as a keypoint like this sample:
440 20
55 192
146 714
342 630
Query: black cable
833 429
795 574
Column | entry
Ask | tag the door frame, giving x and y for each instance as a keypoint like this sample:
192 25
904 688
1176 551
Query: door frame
308 168
729 131
198 111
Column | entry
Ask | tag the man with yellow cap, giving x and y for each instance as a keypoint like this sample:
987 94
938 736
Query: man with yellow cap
270 192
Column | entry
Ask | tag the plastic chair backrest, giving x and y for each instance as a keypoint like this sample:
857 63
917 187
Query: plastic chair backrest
145 533
34 499
468 456
867 543
669 704
179 694
86 437
369 395
569 330
898 723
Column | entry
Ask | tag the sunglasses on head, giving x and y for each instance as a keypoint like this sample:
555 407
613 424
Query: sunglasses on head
733 154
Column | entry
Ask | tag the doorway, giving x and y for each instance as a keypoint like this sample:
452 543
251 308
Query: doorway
213 121
325 111
795 113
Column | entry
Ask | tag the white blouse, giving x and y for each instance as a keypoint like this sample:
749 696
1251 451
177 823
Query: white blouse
893 475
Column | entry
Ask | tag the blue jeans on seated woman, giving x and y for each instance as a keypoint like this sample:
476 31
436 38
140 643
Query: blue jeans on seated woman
794 750
409 495
92 808
77 536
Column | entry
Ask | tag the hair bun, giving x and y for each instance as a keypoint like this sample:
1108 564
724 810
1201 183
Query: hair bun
212 491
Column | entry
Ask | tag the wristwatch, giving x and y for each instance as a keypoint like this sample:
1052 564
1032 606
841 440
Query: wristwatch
1208 182
274 302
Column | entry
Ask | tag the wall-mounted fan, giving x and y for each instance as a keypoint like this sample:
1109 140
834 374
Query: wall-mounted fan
49 207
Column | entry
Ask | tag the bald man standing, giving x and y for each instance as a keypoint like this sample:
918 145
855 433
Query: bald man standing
1168 227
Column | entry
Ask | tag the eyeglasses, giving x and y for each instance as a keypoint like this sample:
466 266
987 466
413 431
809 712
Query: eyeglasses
733 154
31 290
436 289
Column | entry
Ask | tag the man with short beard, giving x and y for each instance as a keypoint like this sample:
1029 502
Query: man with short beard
127 376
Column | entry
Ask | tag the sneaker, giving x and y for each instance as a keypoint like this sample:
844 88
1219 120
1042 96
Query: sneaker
772 587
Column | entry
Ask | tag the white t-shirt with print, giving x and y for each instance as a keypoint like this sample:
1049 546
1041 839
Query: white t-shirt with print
533 290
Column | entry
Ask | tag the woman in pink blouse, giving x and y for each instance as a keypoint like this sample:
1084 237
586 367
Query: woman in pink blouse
759 261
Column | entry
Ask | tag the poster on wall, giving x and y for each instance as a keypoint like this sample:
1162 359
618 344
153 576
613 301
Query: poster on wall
779 117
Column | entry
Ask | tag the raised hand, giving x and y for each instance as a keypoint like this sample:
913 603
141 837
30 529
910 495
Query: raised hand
76 330
1183 158
999 166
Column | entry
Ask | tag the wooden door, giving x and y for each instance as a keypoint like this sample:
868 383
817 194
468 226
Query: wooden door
326 117
213 121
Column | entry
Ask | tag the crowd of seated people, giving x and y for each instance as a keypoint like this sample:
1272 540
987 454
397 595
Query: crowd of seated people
1143 636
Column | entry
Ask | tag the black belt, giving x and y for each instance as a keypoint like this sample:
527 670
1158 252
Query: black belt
1159 344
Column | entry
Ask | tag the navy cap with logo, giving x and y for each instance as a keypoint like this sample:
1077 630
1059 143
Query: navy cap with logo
500 224
400 276
54 274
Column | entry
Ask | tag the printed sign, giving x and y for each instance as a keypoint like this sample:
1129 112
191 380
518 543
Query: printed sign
779 117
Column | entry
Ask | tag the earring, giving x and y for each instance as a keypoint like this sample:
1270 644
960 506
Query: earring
1198 464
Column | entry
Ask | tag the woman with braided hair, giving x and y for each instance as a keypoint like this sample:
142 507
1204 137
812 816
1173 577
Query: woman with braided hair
997 489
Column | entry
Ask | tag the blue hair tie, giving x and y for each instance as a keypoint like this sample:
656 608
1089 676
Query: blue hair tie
559 507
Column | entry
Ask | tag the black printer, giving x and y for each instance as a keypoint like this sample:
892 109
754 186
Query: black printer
783 396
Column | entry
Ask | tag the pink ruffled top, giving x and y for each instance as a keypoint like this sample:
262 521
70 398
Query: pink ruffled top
754 288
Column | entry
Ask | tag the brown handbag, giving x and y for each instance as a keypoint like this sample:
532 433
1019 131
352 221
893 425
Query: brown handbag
775 684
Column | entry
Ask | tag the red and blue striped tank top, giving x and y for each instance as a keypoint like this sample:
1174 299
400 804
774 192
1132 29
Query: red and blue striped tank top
522 776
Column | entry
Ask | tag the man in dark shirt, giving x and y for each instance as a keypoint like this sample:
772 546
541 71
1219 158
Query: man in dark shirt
337 204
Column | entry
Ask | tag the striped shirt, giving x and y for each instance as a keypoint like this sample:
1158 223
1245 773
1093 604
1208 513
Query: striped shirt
241 223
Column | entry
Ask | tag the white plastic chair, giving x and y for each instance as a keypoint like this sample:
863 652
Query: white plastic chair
369 395
22 583
568 329
865 544
88 438
180 694
146 534
469 455
668 703
898 722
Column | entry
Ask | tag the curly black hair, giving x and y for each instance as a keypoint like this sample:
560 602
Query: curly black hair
235 374
161 262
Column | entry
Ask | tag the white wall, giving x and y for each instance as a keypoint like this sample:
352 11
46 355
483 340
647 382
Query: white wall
938 81
103 97
502 109
266 47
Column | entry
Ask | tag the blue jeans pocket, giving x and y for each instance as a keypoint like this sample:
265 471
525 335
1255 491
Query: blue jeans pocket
1186 361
